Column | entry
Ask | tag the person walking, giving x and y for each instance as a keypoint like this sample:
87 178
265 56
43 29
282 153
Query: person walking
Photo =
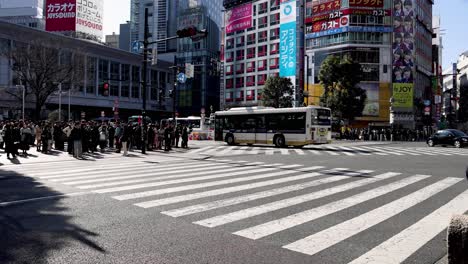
67 131
10 141
111 135
184 137
2 135
58 137
118 136
45 137
26 135
103 137
167 138
177 133
126 134
38 132
76 136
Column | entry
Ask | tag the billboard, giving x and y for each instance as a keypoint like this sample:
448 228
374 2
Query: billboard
288 36
60 15
403 41
325 7
239 18
403 95
366 3
89 17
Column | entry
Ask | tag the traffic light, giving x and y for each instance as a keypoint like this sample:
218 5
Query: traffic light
187 32
105 89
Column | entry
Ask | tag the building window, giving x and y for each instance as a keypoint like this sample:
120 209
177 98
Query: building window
230 43
229 83
229 97
250 95
274 63
251 39
240 55
229 56
251 66
263 22
229 70
261 79
274 48
135 93
91 75
262 64
262 51
114 79
274 33
274 5
239 96
154 85
239 82
274 19
250 53
262 36
262 8
240 68
103 72
250 80
240 41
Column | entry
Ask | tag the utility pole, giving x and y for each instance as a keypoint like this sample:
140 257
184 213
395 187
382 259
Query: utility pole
144 83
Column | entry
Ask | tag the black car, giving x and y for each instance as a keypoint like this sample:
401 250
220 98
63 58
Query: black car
448 137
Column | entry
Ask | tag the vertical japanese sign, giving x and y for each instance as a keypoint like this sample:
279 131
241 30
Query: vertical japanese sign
89 17
239 18
288 36
60 15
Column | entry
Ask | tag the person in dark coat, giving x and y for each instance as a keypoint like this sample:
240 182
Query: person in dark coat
150 137
184 137
167 138
46 136
126 135
111 132
58 137
10 141
76 136
177 133
26 135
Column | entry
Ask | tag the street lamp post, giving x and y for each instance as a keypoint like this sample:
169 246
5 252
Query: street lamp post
60 102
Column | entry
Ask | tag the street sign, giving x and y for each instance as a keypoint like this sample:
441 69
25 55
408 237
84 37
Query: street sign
137 46
181 77
427 102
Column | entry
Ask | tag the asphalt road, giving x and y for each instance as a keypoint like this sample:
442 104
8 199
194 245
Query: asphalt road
351 203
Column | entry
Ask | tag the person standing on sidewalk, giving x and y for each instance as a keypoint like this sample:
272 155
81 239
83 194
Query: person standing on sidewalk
126 134
111 133
45 137
76 136
38 137
177 133
26 135
118 137
67 131
184 137
103 137
9 141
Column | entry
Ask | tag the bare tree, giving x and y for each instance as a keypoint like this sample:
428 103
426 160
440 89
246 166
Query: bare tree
42 67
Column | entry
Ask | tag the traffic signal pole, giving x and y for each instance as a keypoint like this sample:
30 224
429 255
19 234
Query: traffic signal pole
144 83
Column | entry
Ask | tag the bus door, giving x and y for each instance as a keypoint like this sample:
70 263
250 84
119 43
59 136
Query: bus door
260 130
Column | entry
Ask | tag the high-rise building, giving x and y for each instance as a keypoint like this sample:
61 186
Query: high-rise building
261 38
124 36
391 39
112 40
28 13
437 83
201 91
214 8
162 21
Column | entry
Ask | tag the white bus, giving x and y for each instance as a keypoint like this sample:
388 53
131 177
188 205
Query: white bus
282 127
194 122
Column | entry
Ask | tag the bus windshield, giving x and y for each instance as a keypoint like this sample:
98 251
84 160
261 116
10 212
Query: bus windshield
321 117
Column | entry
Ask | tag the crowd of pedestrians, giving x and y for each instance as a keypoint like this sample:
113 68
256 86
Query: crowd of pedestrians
385 134
88 137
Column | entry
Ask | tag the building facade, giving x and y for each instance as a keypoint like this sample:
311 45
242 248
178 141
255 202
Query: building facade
121 69
124 36
391 39
214 9
260 39
201 91
28 13
112 40
162 21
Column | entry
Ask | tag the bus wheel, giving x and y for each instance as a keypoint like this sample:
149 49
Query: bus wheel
279 141
230 140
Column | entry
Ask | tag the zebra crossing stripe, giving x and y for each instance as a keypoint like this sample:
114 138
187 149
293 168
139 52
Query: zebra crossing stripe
148 170
255 163
361 151
398 248
401 151
311 168
333 235
412 151
444 152
200 150
266 208
315 152
155 184
146 179
376 151
251 197
213 149
299 151
287 222
194 196
346 151
270 151
201 185
226 150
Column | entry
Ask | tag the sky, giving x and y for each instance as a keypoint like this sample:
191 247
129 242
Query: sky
452 13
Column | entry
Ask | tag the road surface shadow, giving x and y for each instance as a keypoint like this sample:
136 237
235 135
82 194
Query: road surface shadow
30 231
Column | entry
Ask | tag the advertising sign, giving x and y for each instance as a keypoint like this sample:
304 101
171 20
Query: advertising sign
346 29
372 105
325 7
89 17
340 13
366 3
331 24
403 94
403 41
288 39
60 15
239 18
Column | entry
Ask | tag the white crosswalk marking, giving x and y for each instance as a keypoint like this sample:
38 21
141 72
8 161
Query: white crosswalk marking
361 151
253 211
242 199
315 152
218 174
331 236
404 244
227 190
299 152
200 150
278 225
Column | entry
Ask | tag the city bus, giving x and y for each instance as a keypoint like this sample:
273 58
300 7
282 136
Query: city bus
281 127
194 122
